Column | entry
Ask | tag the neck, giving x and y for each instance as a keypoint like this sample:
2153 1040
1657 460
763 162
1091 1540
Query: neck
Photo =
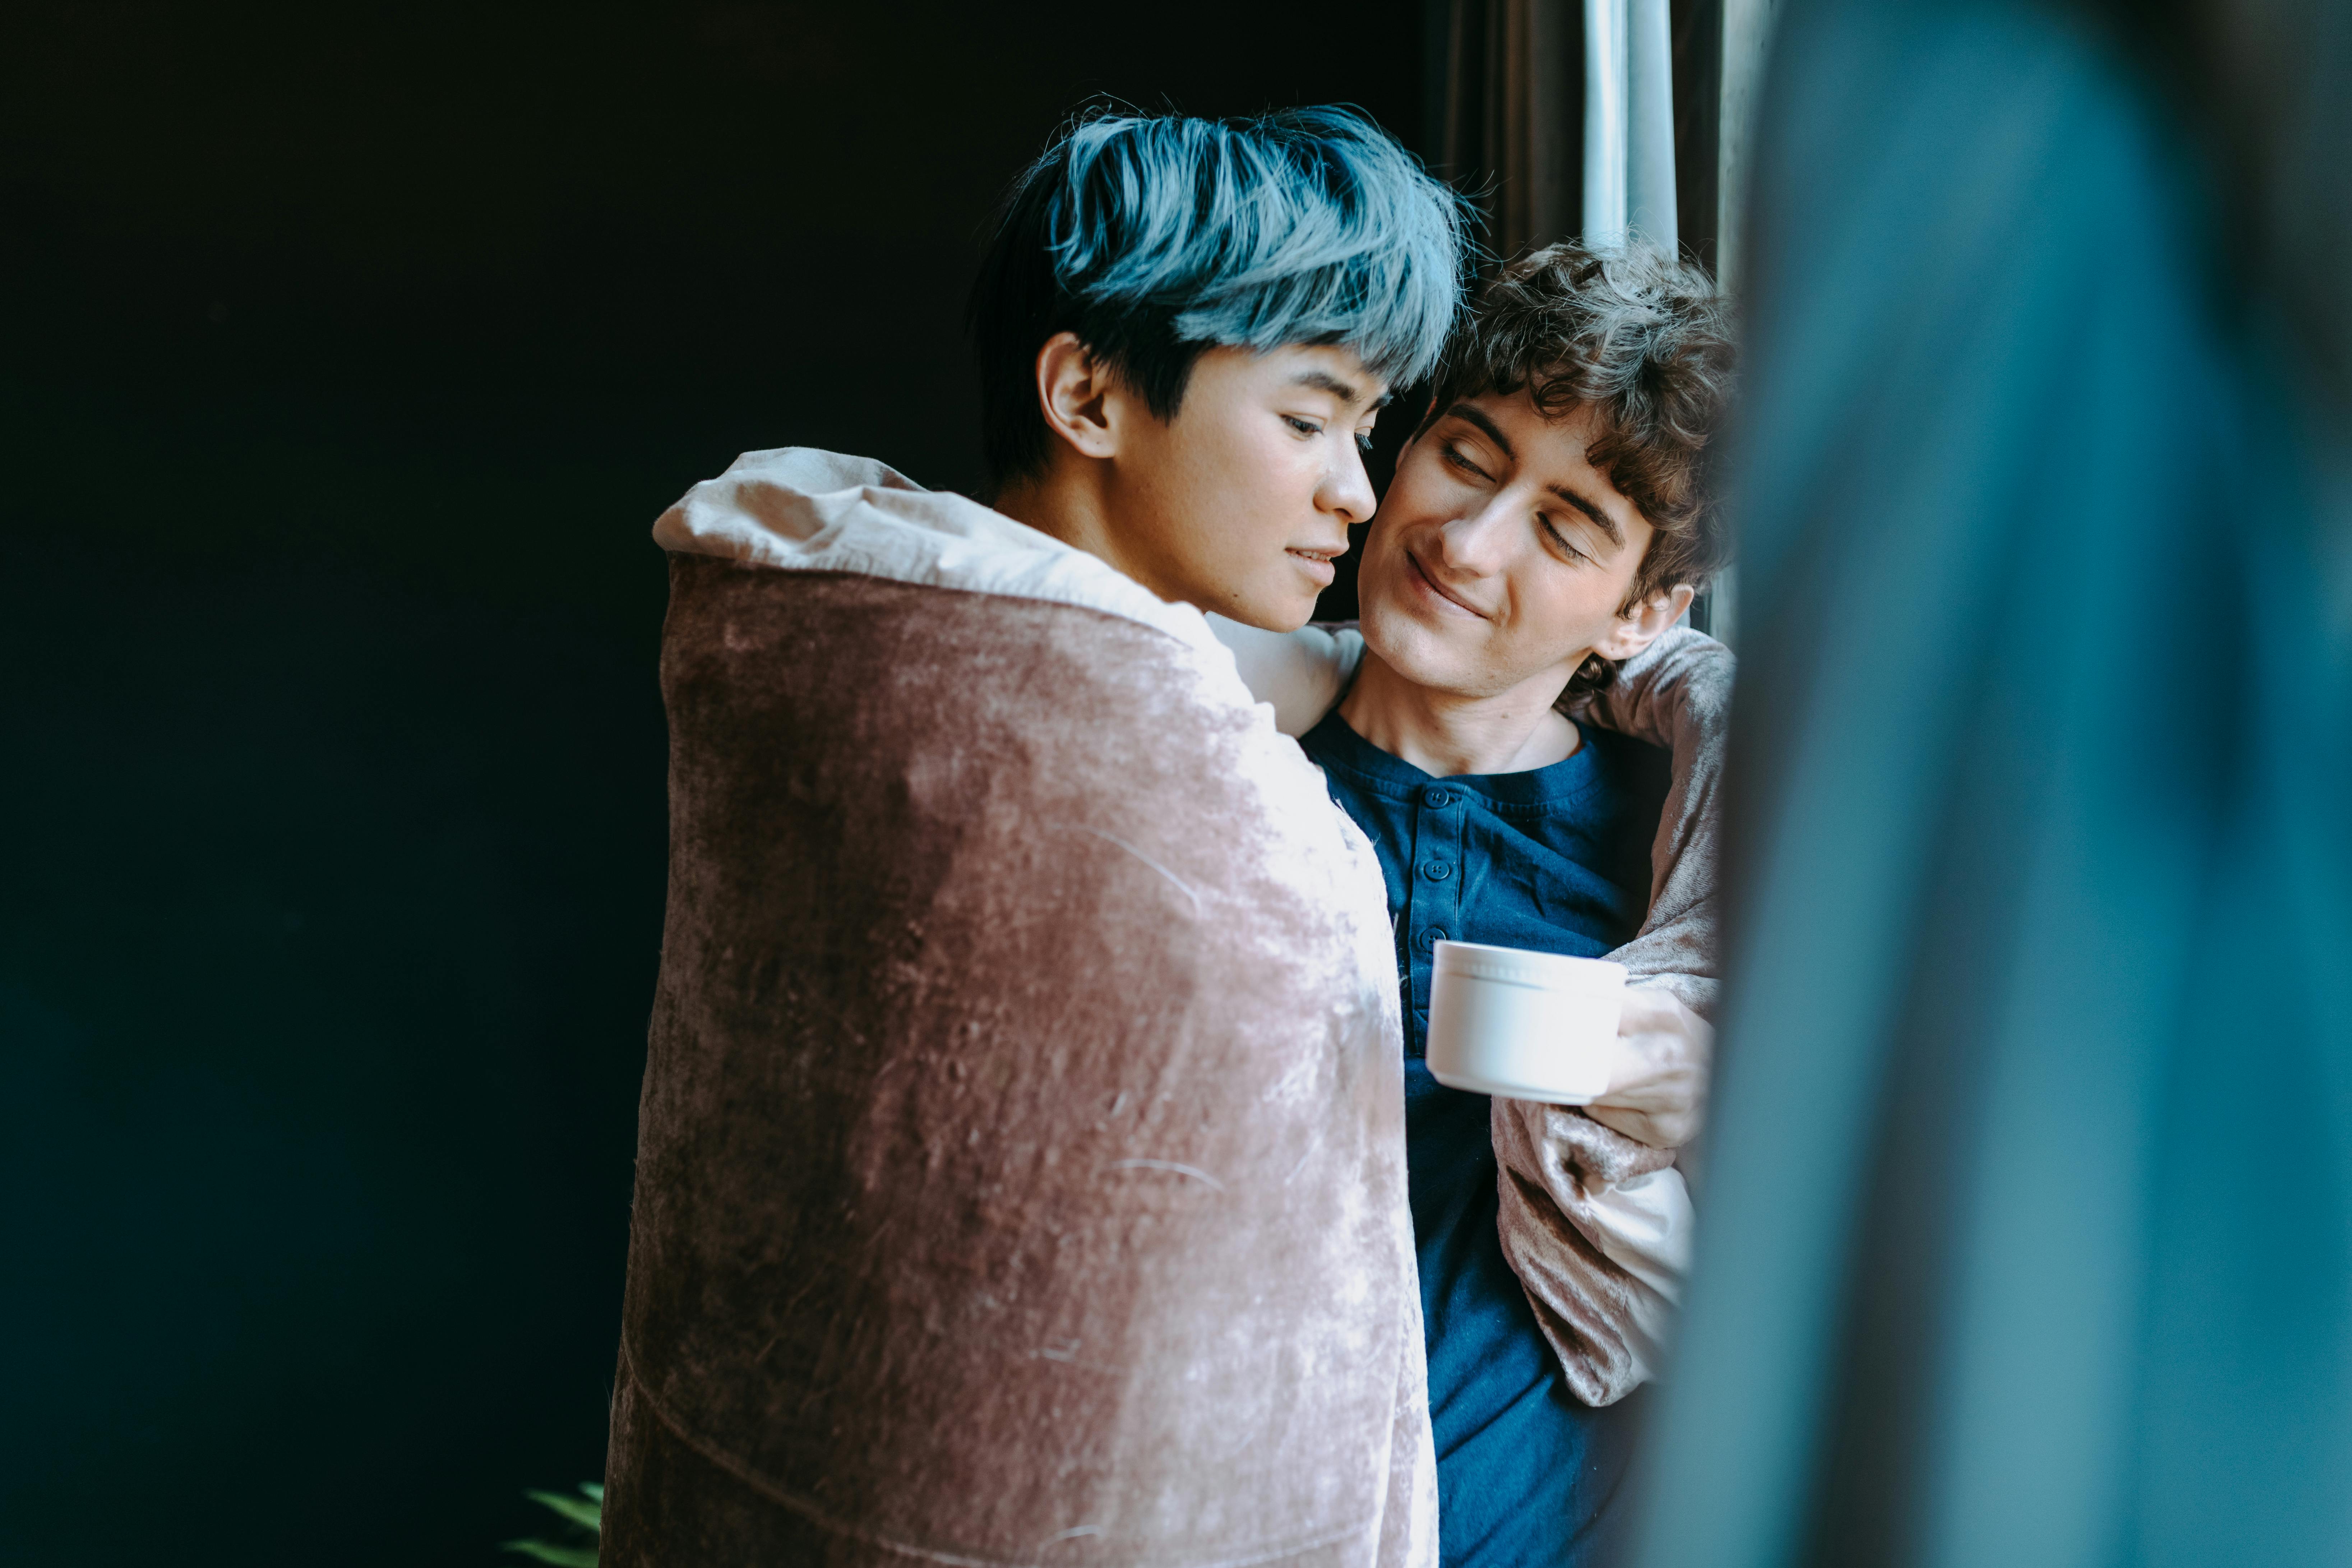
1444 733
1069 506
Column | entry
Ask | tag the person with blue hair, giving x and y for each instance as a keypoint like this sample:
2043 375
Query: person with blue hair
1186 330
1021 1173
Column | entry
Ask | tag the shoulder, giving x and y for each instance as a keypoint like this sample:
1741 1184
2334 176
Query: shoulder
1675 692
1301 674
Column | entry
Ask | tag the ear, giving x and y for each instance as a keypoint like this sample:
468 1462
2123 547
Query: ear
1074 389
1645 622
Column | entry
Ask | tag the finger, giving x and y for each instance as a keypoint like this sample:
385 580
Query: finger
1659 1131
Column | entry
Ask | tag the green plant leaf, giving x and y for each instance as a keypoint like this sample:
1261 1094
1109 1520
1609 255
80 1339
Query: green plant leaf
594 1489
590 1515
560 1556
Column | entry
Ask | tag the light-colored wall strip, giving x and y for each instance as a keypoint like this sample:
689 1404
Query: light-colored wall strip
1650 123
1747 35
1605 120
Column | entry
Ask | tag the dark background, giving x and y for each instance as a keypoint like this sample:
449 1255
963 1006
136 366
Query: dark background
347 354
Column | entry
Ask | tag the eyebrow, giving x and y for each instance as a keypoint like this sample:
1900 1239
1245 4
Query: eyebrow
1494 432
1600 520
1324 381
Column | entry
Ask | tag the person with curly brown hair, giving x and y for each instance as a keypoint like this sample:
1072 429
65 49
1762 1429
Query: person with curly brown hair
1531 743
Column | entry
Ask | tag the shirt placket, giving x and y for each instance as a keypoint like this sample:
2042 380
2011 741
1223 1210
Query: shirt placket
1432 905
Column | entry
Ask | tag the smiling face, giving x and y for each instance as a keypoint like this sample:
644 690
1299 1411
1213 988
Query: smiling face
1240 504
1502 558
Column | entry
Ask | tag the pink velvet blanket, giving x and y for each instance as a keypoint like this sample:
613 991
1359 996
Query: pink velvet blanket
1021 1162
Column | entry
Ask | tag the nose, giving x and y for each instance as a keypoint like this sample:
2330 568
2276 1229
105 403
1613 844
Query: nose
1473 544
1347 489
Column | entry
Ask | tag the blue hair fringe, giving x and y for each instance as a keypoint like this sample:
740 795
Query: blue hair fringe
1305 225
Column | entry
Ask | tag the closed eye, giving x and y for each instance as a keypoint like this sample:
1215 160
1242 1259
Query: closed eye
1304 427
1559 539
1453 454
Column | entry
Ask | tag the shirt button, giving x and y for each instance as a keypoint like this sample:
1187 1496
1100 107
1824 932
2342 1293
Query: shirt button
1437 870
1437 799
1430 937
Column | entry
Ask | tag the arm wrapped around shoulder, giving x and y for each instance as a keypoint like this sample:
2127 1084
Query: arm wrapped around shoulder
1677 695
1598 1223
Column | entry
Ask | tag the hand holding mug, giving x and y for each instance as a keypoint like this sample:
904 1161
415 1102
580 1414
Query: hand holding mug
1546 1026
1658 1069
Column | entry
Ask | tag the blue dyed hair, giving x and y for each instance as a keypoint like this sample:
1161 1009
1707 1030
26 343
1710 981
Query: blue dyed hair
1154 237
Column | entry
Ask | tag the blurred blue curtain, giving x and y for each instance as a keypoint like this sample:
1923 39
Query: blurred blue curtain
2027 1221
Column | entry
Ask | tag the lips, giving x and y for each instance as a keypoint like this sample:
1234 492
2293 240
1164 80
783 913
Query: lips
1318 563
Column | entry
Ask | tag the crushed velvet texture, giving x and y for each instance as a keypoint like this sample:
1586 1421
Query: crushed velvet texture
1021 1162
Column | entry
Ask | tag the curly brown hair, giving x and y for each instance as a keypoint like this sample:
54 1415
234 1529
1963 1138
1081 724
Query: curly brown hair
1645 342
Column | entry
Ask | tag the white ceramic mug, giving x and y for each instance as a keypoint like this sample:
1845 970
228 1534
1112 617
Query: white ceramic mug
1526 1025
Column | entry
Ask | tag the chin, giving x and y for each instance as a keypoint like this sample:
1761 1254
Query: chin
1280 601
1409 646
1388 631
1268 615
